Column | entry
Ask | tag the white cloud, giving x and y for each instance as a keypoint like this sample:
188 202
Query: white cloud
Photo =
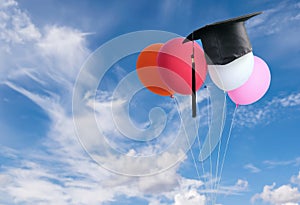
239 187
293 162
52 54
35 183
290 203
289 101
211 190
64 48
270 29
296 179
169 8
7 3
15 25
285 194
16 32
192 197
242 184
76 173
250 116
8 152
275 19
61 172
252 168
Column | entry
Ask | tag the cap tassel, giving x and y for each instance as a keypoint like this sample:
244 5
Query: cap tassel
194 100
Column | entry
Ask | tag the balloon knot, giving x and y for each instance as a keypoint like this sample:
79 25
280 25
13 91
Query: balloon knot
171 96
236 105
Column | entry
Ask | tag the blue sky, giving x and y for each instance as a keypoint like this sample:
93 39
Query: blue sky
43 47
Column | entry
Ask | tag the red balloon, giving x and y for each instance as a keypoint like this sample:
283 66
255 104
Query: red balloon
147 70
175 65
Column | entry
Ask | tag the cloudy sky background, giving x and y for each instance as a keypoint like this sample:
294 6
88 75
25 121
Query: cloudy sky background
43 46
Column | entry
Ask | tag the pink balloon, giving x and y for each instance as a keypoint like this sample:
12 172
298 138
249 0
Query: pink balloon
174 60
255 87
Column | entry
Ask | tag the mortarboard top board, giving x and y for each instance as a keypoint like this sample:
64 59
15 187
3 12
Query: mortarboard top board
224 41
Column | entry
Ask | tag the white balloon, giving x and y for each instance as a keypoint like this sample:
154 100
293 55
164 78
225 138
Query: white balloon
234 74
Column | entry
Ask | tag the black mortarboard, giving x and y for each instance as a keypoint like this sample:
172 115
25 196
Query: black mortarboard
224 41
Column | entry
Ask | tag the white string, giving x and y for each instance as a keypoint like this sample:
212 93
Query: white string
189 144
228 139
198 137
210 161
220 143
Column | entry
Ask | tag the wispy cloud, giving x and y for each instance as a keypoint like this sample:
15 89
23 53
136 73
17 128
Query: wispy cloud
169 9
296 179
60 169
276 19
252 168
277 31
238 188
68 166
272 164
250 116
16 26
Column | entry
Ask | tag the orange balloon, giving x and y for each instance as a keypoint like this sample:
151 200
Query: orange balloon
147 70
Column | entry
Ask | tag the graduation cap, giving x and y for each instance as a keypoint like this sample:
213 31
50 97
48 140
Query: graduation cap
223 41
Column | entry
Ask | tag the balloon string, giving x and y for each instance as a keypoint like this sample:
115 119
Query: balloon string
198 137
228 139
210 159
189 144
220 142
